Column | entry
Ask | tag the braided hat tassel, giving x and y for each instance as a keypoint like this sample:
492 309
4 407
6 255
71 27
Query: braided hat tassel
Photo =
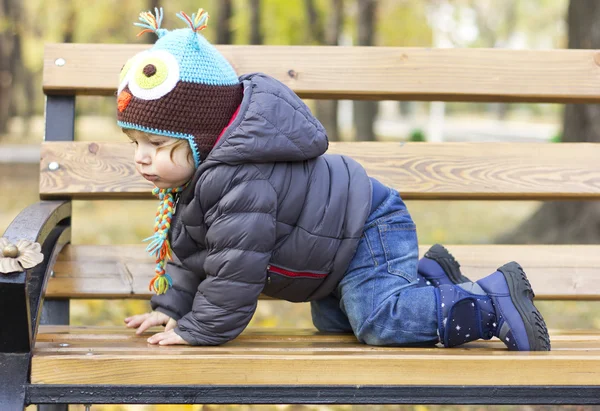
160 247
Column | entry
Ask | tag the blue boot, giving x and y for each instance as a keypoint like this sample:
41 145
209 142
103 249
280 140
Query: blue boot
499 305
439 267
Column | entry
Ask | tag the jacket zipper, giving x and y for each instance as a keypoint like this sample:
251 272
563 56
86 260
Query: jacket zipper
294 274
177 196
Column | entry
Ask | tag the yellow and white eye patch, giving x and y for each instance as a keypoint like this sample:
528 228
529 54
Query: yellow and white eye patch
126 71
153 75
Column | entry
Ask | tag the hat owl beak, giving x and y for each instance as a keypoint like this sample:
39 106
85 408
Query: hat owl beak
123 100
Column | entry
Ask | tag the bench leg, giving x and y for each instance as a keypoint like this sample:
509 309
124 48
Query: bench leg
22 294
55 312
13 374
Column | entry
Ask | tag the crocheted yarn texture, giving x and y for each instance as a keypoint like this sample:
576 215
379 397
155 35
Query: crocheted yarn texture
182 87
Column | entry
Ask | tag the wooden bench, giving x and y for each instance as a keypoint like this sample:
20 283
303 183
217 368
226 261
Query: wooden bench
61 364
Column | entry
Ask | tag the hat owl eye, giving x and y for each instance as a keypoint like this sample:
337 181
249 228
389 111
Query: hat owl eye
124 71
125 74
154 75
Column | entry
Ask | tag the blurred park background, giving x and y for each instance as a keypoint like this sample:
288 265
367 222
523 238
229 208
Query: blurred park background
26 25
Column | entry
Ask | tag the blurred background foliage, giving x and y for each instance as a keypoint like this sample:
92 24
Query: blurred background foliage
27 25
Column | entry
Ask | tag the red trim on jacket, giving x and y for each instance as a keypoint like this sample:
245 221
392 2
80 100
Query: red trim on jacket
289 273
230 121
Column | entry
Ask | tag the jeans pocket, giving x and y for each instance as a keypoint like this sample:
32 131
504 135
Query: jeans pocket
400 245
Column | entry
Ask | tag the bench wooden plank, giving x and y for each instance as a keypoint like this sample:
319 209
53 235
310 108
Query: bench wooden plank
384 72
556 272
81 334
123 358
67 333
418 170
111 336
134 346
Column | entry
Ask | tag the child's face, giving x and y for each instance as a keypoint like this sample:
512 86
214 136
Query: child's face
156 161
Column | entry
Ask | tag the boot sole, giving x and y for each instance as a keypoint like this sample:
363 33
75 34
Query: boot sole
451 267
521 295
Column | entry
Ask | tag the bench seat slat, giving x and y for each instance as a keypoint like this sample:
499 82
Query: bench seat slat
134 348
556 272
113 338
418 170
384 72
120 357
68 333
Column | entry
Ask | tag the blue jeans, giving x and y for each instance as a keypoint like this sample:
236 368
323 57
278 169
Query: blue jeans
377 299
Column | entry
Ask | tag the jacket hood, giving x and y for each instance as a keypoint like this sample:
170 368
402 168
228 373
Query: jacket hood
272 125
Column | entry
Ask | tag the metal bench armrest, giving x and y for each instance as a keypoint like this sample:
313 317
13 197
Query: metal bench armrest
21 294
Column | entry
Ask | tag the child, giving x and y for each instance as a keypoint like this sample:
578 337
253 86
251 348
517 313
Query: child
250 203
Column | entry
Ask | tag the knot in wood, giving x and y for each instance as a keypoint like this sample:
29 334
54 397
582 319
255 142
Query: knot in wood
10 251
93 148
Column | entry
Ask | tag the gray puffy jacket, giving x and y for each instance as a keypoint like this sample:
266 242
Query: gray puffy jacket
266 211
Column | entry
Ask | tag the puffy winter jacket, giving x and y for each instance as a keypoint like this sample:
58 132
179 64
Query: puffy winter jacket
266 211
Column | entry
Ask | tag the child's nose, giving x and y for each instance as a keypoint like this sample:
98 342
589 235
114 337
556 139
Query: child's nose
141 156
123 100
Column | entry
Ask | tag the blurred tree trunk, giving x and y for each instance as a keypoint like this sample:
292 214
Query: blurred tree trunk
316 32
570 221
365 111
5 82
20 74
70 23
225 12
30 93
256 36
7 41
13 73
326 110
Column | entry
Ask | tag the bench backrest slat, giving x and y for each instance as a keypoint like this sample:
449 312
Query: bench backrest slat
493 171
419 170
124 271
364 72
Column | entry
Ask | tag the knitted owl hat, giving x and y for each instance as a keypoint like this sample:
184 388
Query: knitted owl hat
182 87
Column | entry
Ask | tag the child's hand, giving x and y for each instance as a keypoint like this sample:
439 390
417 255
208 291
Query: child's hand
167 338
144 321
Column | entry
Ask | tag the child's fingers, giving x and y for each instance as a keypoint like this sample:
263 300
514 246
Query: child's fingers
166 338
172 339
151 321
171 324
156 338
137 316
136 320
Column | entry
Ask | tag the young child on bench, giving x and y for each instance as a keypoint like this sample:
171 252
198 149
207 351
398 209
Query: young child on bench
250 204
